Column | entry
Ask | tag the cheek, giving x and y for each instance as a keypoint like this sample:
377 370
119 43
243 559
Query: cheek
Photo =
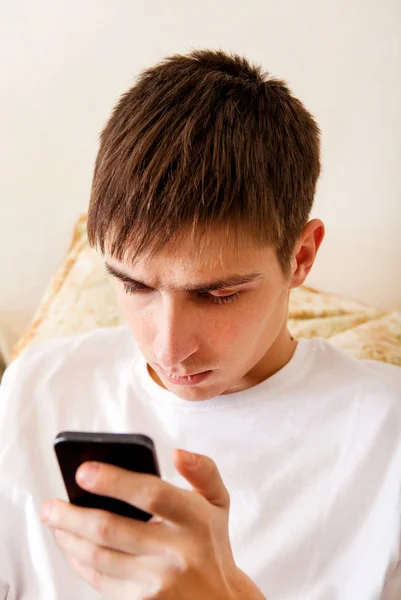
232 327
136 315
257 320
124 301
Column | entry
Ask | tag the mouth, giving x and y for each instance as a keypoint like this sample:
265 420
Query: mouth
193 379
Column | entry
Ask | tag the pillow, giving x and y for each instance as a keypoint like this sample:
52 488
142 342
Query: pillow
80 297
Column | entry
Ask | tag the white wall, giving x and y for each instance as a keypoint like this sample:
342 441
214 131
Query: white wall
64 64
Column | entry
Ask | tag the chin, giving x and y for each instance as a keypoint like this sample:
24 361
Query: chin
195 393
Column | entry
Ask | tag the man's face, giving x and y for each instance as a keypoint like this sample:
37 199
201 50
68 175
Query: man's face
208 321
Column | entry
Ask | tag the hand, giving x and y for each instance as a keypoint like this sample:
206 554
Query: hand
182 553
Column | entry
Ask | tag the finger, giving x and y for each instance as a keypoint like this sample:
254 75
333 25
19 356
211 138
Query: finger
99 558
109 562
111 587
204 477
111 531
147 492
86 573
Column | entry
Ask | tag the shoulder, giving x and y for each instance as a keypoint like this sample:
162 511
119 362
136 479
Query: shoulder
388 373
334 362
67 383
74 355
361 399
65 377
375 384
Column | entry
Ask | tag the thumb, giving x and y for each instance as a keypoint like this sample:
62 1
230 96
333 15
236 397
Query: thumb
203 475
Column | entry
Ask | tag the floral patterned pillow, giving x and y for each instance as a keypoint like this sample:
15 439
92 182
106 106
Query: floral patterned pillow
80 298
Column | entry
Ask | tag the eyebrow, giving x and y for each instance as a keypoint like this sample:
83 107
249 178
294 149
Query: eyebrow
228 282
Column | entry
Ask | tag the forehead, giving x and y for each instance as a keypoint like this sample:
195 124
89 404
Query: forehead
215 251
189 258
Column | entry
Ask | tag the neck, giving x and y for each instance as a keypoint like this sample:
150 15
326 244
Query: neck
275 358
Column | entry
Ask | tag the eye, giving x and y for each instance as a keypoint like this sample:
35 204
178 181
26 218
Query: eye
219 299
225 299
136 289
143 289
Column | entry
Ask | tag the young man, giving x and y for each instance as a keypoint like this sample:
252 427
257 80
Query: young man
201 197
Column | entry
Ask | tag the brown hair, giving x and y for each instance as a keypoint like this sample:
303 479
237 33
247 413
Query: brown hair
201 141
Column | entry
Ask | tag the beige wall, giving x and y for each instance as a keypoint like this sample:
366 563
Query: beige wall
65 63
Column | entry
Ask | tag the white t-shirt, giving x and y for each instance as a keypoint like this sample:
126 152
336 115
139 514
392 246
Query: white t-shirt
311 458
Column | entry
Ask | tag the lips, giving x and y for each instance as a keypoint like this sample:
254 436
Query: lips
175 375
193 379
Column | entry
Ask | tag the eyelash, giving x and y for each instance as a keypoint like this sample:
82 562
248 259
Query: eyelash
204 295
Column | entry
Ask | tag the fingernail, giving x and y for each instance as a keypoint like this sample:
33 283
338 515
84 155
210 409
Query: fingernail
87 474
46 511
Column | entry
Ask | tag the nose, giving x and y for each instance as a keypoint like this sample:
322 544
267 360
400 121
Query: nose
176 338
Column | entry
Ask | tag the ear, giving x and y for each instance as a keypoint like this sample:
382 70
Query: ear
305 251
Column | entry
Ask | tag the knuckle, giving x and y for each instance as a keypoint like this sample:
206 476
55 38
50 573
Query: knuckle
153 497
95 580
104 528
183 565
156 591
188 559
163 587
98 556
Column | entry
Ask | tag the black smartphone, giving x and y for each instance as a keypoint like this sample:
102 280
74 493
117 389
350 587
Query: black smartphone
135 452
